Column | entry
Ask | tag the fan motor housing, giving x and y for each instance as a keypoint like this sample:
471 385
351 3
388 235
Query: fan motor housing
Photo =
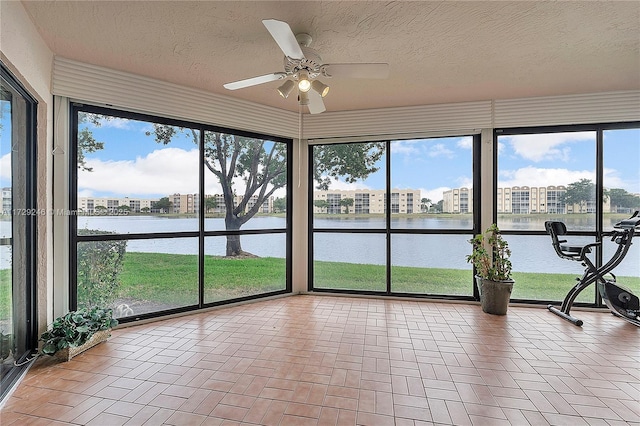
311 63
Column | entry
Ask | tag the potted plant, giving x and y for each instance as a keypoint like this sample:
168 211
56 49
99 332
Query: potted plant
77 331
490 257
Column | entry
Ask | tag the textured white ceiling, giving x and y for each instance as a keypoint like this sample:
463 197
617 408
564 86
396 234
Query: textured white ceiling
439 52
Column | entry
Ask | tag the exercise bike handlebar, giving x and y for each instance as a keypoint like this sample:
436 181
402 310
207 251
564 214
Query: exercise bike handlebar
631 223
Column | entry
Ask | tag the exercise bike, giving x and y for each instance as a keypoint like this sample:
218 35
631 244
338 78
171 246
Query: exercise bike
618 299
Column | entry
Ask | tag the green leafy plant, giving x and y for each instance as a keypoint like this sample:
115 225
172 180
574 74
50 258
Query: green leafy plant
490 255
76 328
99 267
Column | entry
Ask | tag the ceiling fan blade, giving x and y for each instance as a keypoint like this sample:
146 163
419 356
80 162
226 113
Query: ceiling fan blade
253 81
371 70
286 39
316 104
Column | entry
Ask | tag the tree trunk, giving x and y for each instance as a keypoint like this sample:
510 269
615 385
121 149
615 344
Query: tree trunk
232 223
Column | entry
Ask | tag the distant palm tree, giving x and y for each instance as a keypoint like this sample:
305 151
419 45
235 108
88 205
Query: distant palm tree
425 204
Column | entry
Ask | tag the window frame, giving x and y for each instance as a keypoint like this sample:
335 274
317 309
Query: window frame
599 234
200 233
31 231
388 230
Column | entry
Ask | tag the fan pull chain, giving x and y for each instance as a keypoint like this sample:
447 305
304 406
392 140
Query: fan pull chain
299 144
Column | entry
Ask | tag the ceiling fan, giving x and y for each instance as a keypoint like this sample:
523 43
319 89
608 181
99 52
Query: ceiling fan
303 65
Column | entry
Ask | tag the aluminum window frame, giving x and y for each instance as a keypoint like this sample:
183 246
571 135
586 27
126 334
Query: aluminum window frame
599 234
201 233
388 230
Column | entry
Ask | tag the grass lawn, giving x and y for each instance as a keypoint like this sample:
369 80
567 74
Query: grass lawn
171 278
5 294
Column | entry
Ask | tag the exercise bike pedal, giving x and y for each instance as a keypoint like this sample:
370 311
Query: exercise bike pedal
620 301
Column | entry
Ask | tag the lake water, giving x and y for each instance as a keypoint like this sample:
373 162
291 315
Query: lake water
530 253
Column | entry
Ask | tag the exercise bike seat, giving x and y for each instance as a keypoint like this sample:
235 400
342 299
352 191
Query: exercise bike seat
556 229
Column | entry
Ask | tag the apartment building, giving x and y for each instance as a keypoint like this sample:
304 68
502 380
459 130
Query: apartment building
180 204
185 203
458 200
6 199
520 200
91 205
267 205
366 201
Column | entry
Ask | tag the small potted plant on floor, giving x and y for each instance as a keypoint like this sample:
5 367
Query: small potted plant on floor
490 257
77 331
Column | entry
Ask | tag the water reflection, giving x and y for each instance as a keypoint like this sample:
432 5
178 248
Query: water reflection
530 254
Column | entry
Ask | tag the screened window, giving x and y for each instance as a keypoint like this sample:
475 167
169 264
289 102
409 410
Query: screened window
411 218
171 216
559 174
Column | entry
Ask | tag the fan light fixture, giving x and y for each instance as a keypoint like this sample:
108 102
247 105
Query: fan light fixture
286 88
303 81
302 67
320 87
303 98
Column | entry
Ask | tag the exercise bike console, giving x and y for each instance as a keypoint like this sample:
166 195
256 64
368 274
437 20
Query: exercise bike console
618 299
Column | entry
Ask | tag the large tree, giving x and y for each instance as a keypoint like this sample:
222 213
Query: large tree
255 169
620 198
346 203
86 141
581 193
260 166
210 203
163 204
351 162
321 204
280 205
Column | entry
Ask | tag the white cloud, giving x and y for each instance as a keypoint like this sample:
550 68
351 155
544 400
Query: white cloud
407 147
535 176
116 123
612 179
163 171
345 186
546 146
440 150
464 182
434 194
465 143
5 166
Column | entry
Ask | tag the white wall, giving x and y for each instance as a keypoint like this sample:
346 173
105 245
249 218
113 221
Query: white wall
29 59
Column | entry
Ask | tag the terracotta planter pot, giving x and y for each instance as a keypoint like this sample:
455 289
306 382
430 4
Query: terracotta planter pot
494 295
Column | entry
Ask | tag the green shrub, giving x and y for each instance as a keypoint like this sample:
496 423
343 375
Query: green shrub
98 270
6 343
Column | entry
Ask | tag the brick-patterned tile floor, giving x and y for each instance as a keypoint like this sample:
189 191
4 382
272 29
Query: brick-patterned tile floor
321 360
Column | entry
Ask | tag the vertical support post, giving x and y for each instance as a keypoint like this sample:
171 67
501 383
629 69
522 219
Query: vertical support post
61 169
299 215
487 177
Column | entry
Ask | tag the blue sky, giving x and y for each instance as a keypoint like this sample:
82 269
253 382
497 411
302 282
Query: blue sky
134 165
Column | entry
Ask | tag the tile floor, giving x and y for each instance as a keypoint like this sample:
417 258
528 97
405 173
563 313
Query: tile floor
321 360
